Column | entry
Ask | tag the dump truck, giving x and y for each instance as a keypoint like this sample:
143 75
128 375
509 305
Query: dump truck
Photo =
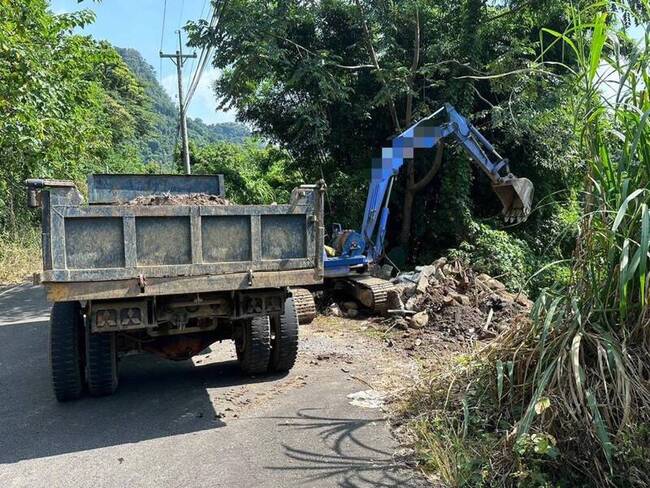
160 264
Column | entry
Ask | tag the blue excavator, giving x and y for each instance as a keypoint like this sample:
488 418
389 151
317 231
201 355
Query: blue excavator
352 252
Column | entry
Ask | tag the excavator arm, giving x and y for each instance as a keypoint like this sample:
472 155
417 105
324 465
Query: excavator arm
514 193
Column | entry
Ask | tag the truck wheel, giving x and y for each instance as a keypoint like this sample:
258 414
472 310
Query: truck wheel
285 338
254 345
101 364
66 350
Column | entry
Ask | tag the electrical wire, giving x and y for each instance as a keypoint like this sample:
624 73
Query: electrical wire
162 36
189 72
205 52
180 16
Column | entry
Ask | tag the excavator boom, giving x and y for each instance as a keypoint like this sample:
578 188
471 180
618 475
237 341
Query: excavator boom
353 251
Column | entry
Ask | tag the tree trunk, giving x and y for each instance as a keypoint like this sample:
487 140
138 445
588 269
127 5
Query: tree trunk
412 188
407 209
407 217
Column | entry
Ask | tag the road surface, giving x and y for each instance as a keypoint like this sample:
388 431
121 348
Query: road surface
194 423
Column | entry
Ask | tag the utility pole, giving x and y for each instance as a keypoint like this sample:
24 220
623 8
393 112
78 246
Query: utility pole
179 60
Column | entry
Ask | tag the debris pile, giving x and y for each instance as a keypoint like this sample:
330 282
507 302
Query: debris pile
454 302
175 199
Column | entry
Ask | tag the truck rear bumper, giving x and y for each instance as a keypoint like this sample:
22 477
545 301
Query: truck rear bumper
132 288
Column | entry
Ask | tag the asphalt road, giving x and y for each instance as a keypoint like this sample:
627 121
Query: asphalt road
194 423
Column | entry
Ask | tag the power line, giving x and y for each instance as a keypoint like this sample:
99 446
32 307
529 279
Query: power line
205 52
191 70
162 36
180 16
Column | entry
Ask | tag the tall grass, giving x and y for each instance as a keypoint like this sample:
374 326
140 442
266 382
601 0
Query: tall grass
565 396
20 255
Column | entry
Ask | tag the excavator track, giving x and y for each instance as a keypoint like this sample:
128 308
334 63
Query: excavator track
372 292
305 305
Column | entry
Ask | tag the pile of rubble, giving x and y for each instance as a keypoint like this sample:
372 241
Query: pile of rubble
174 199
454 302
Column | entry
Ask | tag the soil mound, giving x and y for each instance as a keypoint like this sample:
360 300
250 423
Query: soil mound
447 302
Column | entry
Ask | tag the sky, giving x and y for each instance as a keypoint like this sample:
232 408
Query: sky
139 24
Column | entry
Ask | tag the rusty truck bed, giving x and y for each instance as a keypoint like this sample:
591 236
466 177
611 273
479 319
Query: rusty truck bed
110 250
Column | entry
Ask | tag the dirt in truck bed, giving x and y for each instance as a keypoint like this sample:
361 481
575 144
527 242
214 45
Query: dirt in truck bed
188 199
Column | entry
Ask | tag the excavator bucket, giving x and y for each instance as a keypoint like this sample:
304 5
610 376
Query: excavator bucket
516 195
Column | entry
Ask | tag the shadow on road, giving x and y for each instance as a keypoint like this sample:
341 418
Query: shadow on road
156 398
23 302
349 459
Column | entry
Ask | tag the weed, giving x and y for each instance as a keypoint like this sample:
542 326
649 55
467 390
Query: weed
564 398
20 255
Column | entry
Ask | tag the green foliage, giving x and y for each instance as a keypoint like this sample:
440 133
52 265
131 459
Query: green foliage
303 74
500 255
68 105
19 255
157 143
254 174
565 396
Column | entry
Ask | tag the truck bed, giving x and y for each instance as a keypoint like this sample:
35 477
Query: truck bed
110 250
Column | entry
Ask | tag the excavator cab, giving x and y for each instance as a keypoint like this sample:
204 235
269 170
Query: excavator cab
516 195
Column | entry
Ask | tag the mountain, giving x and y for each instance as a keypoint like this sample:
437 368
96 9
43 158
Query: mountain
158 144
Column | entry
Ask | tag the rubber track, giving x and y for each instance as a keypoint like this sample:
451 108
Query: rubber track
378 288
102 364
254 359
285 349
65 351
305 305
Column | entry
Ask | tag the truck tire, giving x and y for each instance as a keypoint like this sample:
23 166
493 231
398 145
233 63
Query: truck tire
284 344
254 345
101 364
66 350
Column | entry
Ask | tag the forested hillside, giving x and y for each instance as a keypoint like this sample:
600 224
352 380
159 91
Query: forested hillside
70 106
158 144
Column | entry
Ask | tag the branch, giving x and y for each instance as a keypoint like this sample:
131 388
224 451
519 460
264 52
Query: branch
375 62
510 11
478 93
414 68
426 179
300 47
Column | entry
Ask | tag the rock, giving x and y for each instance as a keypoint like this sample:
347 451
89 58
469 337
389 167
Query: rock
448 301
439 275
440 262
505 295
351 309
495 284
419 320
423 281
334 310
460 298
483 278
411 303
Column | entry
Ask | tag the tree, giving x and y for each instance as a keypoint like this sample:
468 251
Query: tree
333 80
68 105
254 174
